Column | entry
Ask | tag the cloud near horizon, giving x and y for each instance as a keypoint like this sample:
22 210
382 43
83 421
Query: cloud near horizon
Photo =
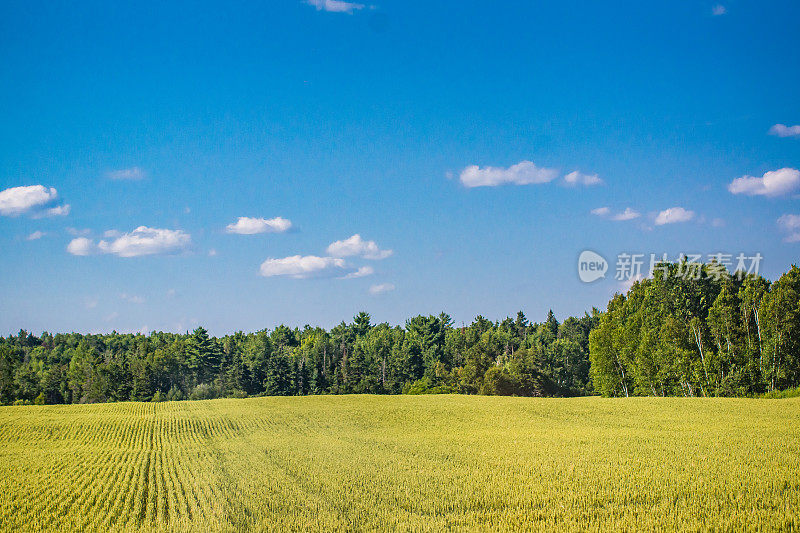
627 214
132 298
674 215
253 226
356 246
774 183
523 173
302 267
782 130
34 200
381 288
141 241
335 6
790 224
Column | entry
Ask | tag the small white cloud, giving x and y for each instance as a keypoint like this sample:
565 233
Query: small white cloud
627 214
576 178
81 246
132 298
147 241
790 224
361 272
782 130
774 183
355 245
35 235
111 316
75 232
129 174
335 6
523 173
35 200
212 252
381 288
90 303
171 293
57 211
111 233
718 223
673 215
718 10
141 241
299 267
252 226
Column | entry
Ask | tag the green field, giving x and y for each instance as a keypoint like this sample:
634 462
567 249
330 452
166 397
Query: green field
402 463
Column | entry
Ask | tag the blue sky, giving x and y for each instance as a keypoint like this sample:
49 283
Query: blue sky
442 135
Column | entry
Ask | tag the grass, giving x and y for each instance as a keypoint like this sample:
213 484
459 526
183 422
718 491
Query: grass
780 394
411 463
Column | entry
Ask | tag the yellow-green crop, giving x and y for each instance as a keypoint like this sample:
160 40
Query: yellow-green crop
409 463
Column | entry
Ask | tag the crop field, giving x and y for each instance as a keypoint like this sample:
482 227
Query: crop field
410 463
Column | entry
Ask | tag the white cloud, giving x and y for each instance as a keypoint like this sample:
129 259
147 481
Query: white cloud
355 245
212 252
132 298
36 200
90 302
774 183
75 232
523 173
141 241
35 235
791 225
782 130
381 288
299 267
130 174
57 211
718 223
718 10
146 241
81 246
335 6
361 272
627 214
111 316
576 178
674 215
252 226
111 233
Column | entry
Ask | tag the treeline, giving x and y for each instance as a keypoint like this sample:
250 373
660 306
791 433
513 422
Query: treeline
691 330
427 355
699 332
